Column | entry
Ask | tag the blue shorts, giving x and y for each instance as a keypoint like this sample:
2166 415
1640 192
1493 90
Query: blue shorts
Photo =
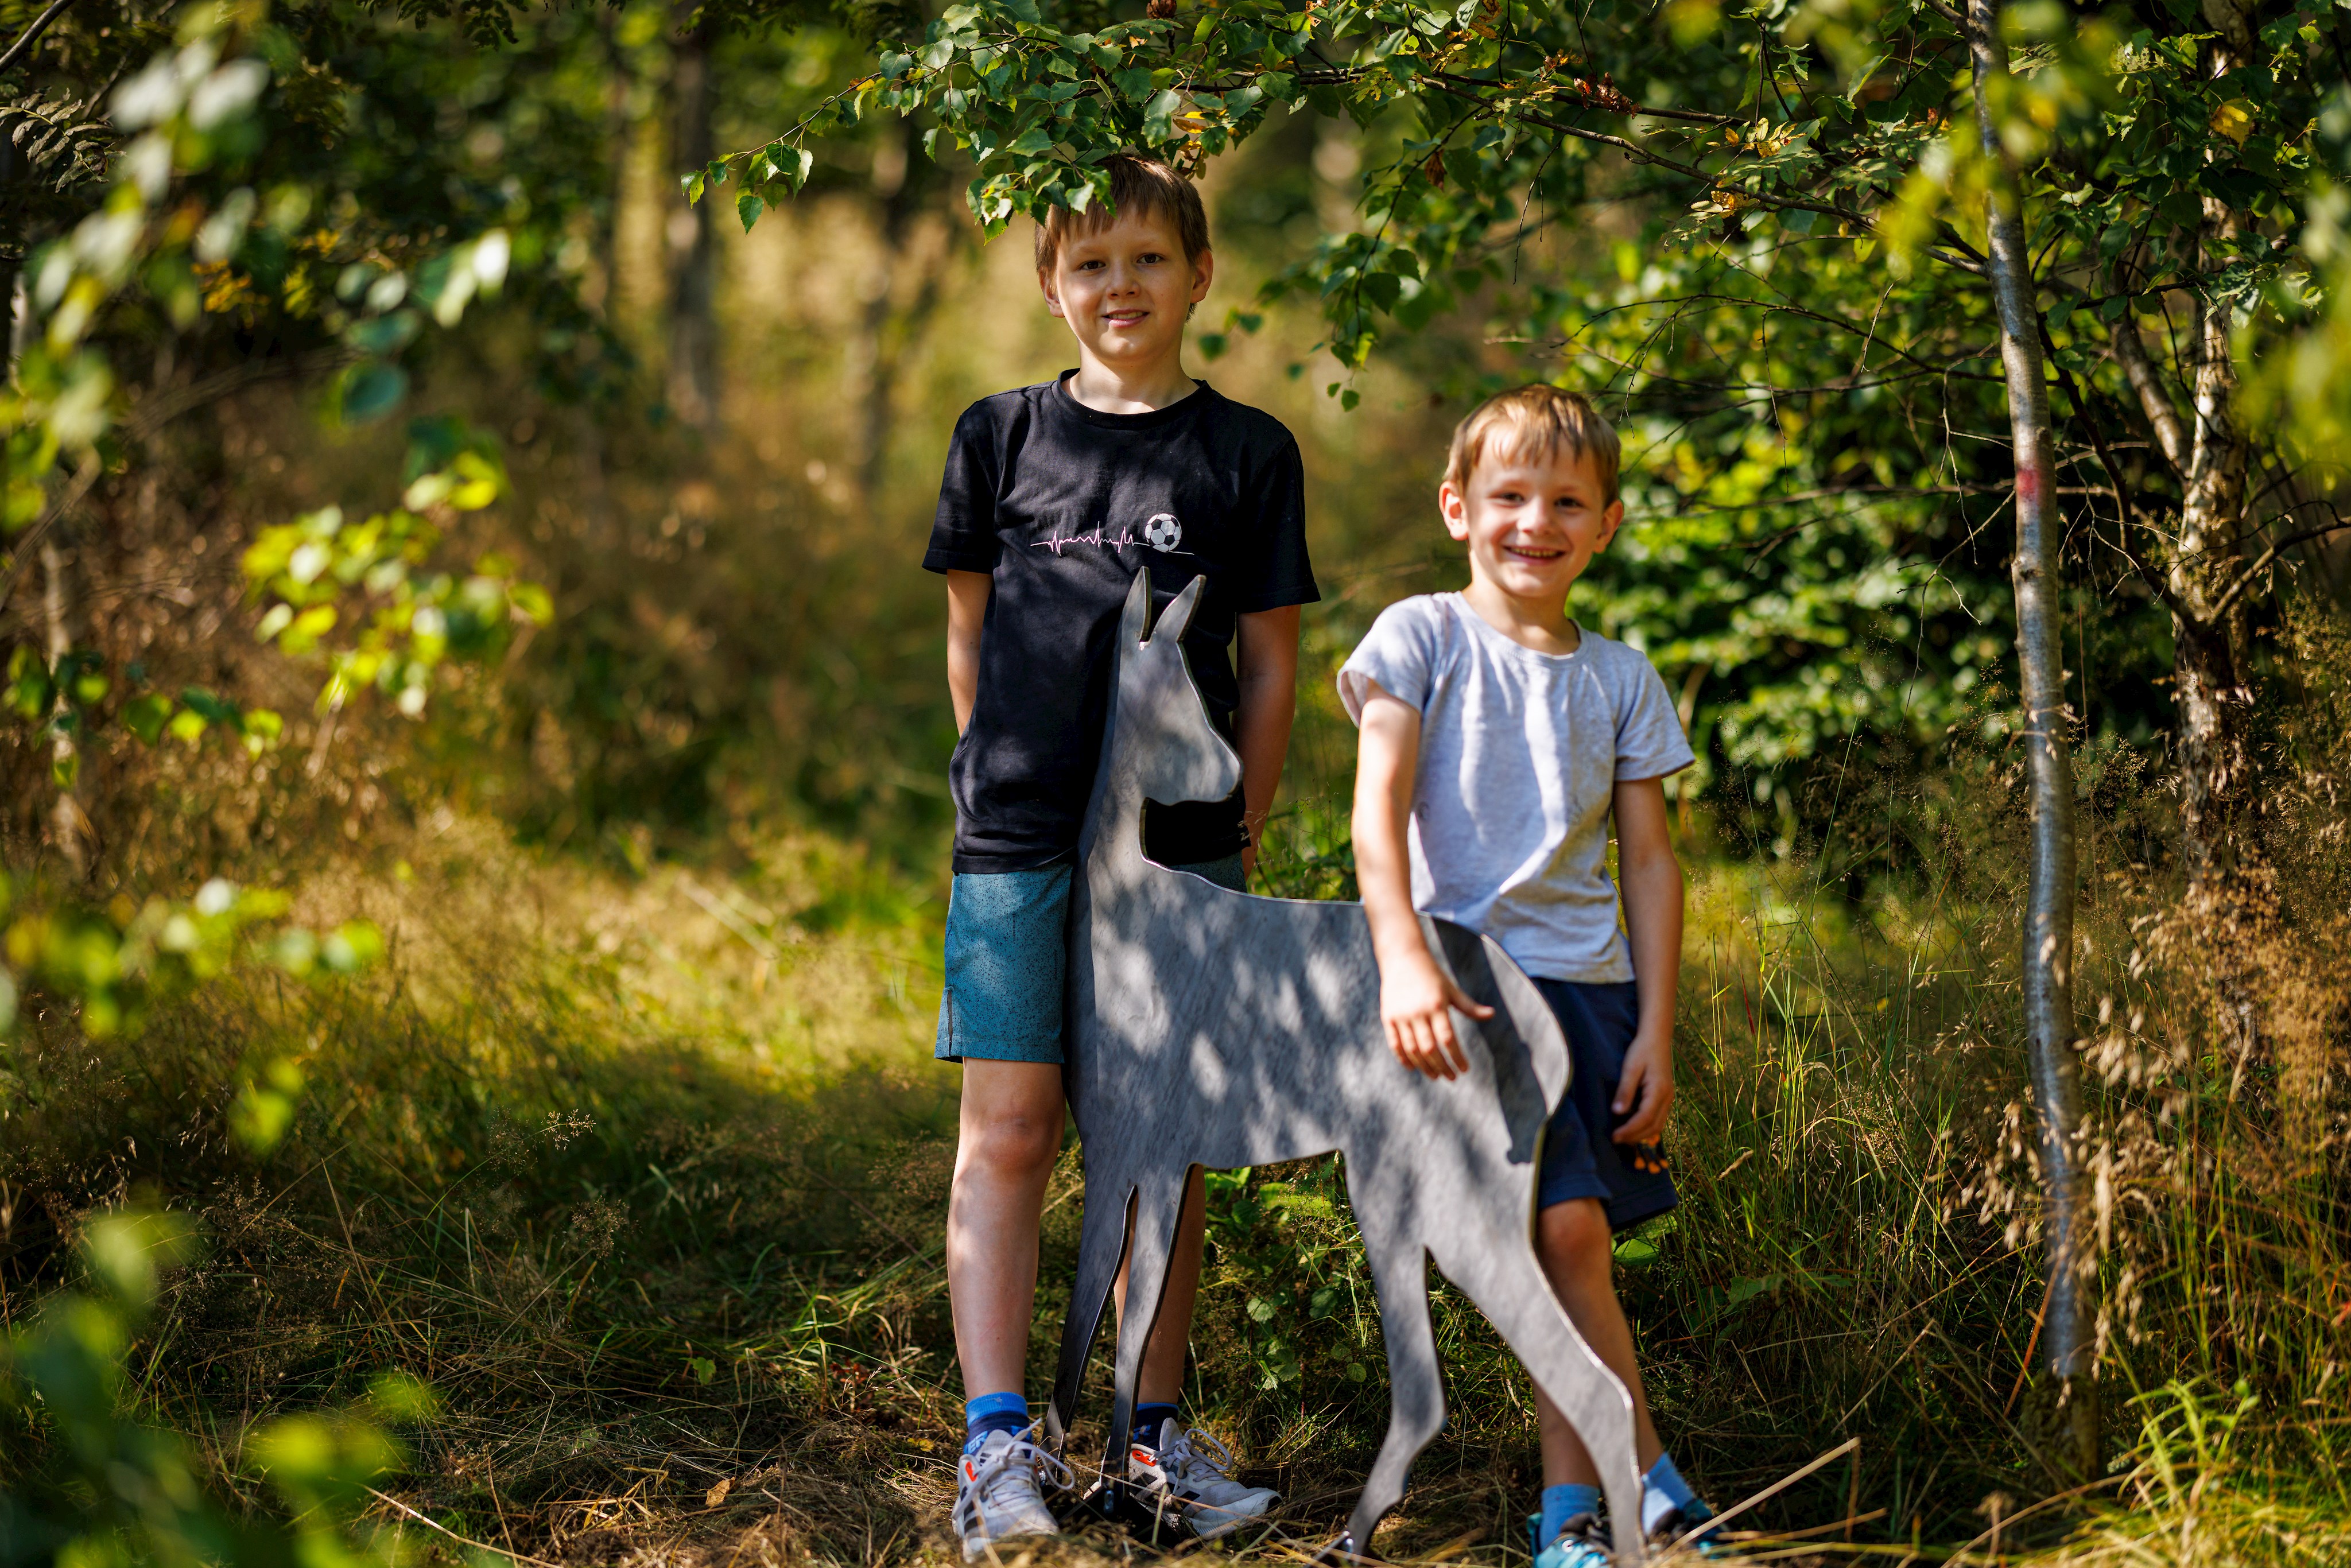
1579 1159
1008 953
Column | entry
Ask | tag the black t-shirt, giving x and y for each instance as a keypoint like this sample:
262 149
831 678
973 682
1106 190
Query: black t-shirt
1064 505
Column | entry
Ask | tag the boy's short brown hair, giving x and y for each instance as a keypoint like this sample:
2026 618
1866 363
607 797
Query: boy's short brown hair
1534 421
1139 187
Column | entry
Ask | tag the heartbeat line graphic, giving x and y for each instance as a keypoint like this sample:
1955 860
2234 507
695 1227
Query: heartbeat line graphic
1059 543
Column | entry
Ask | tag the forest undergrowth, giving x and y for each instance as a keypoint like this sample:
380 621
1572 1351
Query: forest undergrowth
643 1177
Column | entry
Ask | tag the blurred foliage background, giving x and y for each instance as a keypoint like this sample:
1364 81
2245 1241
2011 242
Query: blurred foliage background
474 815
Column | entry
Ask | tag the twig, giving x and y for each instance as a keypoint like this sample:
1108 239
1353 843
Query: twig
32 34
461 1539
1782 1484
1846 1524
2025 1369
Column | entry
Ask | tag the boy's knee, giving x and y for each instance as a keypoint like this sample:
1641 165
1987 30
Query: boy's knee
1014 1143
1576 1238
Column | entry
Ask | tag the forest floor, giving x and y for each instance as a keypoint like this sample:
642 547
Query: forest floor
645 1174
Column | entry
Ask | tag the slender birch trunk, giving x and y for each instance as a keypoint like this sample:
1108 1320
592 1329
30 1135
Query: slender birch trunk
2068 1340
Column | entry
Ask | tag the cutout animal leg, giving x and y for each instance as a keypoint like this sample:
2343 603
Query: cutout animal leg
1509 1288
1415 1380
1158 1200
1102 1240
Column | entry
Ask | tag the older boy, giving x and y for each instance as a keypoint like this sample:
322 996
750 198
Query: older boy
1055 496
1498 739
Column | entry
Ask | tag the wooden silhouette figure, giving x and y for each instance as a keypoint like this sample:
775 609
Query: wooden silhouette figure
1209 1028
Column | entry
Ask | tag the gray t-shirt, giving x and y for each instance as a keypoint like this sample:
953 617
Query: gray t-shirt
1519 755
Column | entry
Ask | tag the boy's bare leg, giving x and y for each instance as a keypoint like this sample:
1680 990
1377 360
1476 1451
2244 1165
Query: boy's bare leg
1578 1254
1009 1137
1161 1381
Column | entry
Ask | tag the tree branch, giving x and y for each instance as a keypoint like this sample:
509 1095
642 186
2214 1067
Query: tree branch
32 34
2220 605
2202 632
2130 352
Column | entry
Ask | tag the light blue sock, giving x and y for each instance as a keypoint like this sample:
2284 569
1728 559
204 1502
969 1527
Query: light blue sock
993 1412
1561 1503
1662 1491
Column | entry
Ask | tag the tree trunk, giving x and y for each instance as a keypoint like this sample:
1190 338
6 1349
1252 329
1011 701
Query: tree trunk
2209 668
2068 1338
619 81
885 328
693 322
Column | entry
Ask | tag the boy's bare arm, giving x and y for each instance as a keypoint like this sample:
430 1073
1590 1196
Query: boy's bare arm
1267 672
1417 998
967 595
1652 882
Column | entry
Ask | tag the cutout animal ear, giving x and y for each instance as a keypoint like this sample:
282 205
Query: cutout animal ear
1177 616
1138 610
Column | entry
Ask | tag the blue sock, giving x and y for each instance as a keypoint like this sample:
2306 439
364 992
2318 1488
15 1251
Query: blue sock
1148 1419
993 1412
1662 1491
1561 1503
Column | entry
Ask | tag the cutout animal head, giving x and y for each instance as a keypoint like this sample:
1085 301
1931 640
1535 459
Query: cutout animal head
1163 734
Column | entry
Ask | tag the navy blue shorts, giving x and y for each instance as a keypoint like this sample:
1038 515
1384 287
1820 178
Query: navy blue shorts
1579 1160
1008 952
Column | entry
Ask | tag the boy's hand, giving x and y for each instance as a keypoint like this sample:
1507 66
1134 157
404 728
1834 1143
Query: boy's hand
1416 1003
1646 1091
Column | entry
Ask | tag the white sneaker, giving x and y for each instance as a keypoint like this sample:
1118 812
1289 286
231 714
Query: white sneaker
1191 1474
997 1493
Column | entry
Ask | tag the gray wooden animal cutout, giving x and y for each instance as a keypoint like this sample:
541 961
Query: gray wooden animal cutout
1209 1028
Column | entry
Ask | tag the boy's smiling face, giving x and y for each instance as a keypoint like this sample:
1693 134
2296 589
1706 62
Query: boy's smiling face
1532 522
1126 289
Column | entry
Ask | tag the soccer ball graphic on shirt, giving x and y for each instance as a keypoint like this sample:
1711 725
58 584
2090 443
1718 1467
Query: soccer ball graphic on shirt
1162 531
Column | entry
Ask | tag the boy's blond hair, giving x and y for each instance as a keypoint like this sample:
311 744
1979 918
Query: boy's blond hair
1536 421
1139 187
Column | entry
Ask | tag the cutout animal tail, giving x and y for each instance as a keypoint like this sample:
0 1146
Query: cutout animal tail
1102 1240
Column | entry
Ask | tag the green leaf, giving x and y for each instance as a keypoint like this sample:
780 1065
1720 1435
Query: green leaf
144 717
206 704
748 206
371 391
386 334
1159 115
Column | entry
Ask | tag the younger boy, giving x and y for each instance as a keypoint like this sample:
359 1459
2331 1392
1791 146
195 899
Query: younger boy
1497 739
1055 496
